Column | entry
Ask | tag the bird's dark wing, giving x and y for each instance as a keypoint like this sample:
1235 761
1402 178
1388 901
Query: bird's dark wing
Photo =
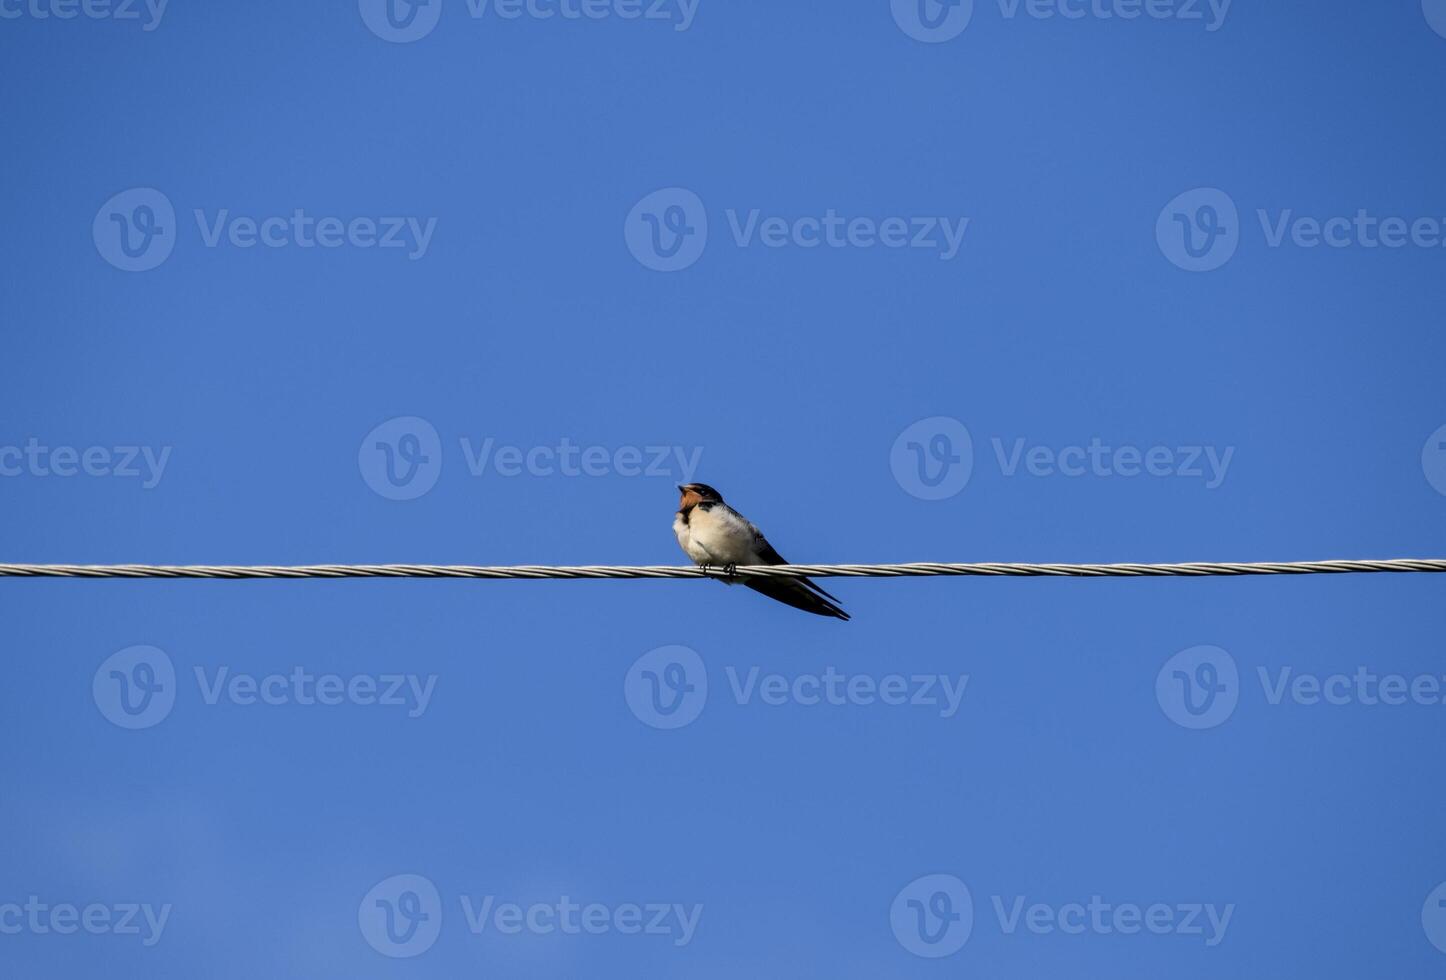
796 593
770 556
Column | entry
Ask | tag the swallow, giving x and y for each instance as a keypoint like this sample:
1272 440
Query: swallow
712 533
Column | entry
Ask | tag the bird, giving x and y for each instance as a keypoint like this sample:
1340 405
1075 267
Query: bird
712 533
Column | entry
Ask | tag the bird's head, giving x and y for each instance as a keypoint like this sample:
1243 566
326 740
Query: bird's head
697 493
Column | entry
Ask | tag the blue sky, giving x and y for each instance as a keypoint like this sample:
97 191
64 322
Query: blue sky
452 283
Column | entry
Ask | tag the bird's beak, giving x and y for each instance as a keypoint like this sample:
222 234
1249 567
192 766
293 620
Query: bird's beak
682 488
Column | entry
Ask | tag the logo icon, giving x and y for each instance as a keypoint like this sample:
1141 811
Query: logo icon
667 230
933 916
667 687
1433 917
1435 11
1198 688
401 459
933 458
135 688
400 21
933 21
1433 460
401 917
1199 230
135 230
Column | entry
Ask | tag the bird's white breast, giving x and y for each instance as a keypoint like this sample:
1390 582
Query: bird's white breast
684 532
716 536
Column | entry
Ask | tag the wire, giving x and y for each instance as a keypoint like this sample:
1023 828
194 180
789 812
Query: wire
911 570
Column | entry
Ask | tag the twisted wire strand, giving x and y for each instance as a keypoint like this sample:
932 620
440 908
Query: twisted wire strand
908 570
